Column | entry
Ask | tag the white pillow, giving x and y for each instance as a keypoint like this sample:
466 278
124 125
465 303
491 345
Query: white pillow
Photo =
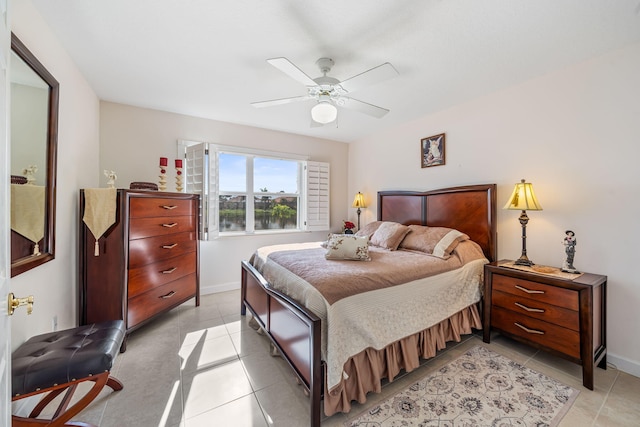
348 247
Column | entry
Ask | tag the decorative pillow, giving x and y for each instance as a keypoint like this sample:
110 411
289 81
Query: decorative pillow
369 229
348 247
438 241
389 235
448 243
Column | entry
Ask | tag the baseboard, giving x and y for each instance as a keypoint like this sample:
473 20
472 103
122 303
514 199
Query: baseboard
222 287
622 364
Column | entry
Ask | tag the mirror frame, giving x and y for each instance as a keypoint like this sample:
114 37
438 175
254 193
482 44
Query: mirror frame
48 246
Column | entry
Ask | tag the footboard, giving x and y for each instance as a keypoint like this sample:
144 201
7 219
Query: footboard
293 330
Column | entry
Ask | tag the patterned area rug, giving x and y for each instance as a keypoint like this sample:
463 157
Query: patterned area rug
479 388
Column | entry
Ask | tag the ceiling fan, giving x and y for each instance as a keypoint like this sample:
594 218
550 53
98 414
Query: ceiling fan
329 92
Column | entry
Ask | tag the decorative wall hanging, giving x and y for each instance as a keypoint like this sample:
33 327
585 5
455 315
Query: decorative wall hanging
432 151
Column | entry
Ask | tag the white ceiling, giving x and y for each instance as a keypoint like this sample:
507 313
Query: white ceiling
206 58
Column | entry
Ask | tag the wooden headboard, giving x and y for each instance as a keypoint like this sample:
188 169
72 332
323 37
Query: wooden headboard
470 209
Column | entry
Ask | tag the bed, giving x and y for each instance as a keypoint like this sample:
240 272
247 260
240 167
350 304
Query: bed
308 336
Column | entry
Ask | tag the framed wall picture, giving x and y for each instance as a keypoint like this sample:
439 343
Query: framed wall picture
432 151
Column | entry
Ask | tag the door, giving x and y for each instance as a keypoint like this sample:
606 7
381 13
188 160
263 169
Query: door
5 326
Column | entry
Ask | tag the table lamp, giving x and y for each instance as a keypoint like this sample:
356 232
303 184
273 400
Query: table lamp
358 202
523 199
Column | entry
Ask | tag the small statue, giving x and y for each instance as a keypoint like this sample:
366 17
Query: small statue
111 178
569 243
30 173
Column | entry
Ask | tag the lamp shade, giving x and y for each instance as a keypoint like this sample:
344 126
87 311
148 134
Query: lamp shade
523 198
324 112
358 201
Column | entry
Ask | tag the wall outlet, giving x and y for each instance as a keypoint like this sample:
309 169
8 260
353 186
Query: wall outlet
54 323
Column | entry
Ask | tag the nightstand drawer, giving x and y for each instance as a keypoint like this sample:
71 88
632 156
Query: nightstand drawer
539 291
538 310
549 335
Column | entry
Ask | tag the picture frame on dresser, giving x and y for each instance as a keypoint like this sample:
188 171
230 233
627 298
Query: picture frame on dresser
563 314
147 261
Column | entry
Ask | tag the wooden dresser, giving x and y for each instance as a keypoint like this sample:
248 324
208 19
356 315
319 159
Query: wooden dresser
148 260
564 316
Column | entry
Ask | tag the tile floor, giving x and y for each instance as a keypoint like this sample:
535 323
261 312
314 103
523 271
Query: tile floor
206 367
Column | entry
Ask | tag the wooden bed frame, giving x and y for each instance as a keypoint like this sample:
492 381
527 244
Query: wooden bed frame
295 331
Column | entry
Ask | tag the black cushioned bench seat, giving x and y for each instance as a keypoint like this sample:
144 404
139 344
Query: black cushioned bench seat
57 361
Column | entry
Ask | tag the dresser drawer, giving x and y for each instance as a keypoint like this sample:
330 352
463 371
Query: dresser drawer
149 276
140 207
538 310
152 249
539 291
549 335
156 226
159 299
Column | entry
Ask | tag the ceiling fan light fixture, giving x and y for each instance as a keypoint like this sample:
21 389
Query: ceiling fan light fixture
324 112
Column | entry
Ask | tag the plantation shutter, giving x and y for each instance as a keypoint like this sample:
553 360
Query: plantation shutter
317 196
202 178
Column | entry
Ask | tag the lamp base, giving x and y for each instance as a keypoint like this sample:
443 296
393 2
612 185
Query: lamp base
523 260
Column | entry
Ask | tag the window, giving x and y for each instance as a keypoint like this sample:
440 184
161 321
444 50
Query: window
248 191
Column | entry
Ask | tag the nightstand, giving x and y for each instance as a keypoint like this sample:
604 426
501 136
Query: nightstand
557 312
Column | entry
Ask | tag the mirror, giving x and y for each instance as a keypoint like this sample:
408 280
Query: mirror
34 136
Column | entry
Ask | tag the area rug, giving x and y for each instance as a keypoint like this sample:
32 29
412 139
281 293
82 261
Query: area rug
479 388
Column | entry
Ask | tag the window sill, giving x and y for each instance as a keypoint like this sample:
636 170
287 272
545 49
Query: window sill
259 233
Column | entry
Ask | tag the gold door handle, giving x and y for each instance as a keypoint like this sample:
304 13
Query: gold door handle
169 207
171 246
17 302
169 271
173 224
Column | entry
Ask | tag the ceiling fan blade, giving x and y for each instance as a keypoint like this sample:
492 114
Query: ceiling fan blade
363 107
369 77
281 101
287 67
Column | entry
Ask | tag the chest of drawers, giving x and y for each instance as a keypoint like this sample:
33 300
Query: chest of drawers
565 316
148 259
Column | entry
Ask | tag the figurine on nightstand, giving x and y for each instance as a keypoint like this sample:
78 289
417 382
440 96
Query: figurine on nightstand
569 243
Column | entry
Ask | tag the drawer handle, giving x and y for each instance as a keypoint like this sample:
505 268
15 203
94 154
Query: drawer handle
171 246
531 331
168 207
169 295
524 307
529 291
173 224
169 271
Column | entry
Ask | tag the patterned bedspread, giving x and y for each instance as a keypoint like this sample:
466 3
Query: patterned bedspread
385 314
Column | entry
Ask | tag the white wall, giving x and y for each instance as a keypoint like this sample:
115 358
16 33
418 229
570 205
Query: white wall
133 139
575 134
53 284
